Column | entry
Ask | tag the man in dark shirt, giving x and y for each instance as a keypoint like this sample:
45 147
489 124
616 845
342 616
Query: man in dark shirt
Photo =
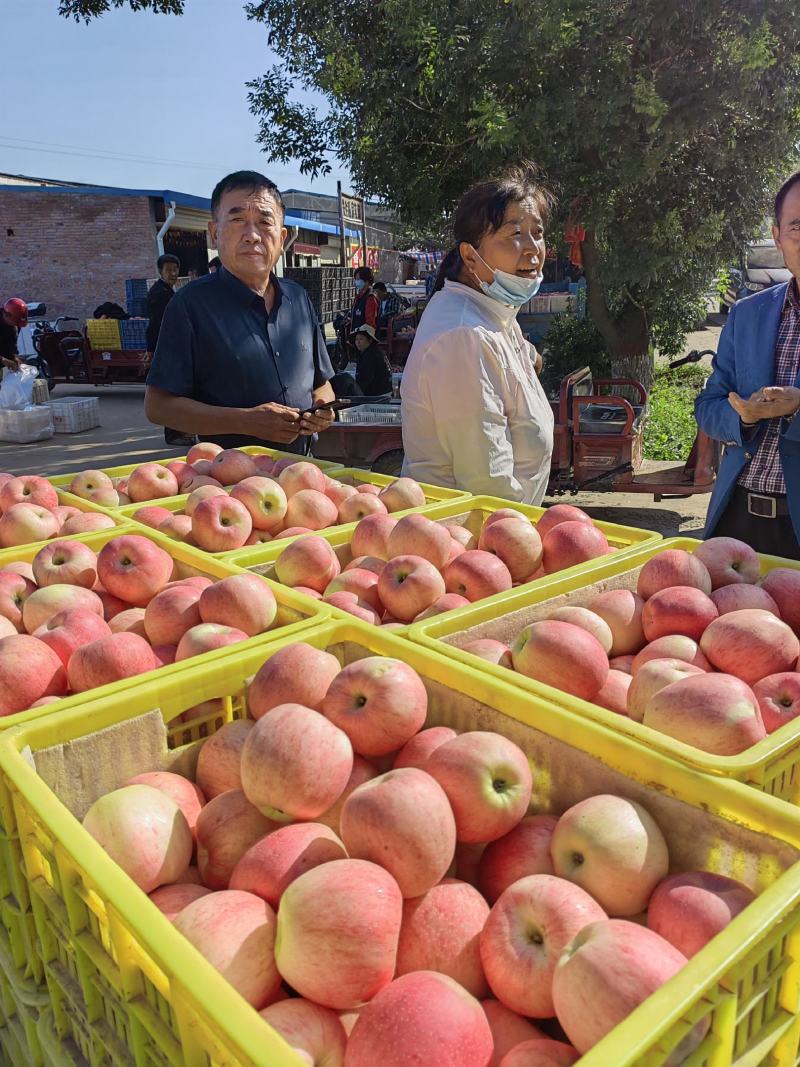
240 358
159 295
12 318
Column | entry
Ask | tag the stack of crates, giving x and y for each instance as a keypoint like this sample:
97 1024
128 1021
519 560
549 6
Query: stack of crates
329 288
136 296
103 333
133 333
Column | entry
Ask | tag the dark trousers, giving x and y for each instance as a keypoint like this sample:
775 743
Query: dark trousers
775 537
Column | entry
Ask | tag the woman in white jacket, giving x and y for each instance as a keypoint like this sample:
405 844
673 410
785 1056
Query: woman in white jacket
475 416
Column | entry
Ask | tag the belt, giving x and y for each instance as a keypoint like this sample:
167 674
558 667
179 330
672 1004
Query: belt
763 505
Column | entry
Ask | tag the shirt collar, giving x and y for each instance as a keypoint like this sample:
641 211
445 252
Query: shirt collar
503 314
245 293
792 298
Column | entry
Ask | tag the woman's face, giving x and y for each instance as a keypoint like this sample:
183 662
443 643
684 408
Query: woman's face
363 342
517 247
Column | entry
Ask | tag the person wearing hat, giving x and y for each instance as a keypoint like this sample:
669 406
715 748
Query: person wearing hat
373 370
13 318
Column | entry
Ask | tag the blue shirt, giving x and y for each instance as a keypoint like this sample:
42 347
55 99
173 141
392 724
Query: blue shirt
219 345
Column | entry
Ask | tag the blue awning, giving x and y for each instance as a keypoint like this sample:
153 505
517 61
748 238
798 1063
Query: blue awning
317 227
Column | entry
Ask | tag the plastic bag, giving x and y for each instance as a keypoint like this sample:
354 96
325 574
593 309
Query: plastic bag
16 390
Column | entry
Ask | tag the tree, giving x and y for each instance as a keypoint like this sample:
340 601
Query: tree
664 127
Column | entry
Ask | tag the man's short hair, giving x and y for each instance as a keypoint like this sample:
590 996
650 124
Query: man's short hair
245 179
381 286
783 192
168 257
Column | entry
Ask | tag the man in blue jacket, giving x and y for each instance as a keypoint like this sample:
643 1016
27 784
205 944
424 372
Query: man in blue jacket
750 404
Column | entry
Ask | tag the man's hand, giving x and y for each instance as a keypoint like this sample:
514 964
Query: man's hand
769 403
274 422
315 422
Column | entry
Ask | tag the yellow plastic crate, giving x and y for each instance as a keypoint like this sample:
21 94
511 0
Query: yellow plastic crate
103 333
772 765
81 505
21 1002
146 988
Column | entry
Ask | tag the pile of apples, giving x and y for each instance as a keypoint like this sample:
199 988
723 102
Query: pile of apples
409 569
31 511
240 499
379 893
73 619
703 651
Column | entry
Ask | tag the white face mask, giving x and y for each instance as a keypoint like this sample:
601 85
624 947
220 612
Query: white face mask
507 288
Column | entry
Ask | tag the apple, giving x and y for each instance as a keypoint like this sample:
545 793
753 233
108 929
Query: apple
71 629
402 821
681 609
297 672
539 653
523 851
448 602
264 499
87 522
369 488
290 531
85 483
219 762
351 603
613 848
221 523
308 561
529 926
516 543
750 644
151 481
28 489
178 527
608 970
29 671
541 1052
42 604
778 697
728 561
415 751
614 694
273 862
311 1030
427 1012
362 583
243 601
625 663
14 591
672 567
172 899
416 535
441 932
343 954
408 585
112 605
736 597
259 537
560 513
509 1030
236 933
622 610
144 832
7 627
185 794
152 515
18 566
476 574
783 585
232 466
207 637
338 493
690 908
301 475
63 512
203 450
130 621
227 826
402 494
488 781
171 613
371 536
179 468
23 524
713 712
295 763
311 509
357 507
456 550
586 620
674 646
363 771
133 568
204 492
108 498
490 650
464 537
652 677
379 702
571 543
110 659
199 481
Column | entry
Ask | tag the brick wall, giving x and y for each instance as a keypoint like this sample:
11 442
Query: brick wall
73 251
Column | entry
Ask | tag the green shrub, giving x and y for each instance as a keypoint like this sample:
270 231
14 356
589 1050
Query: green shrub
572 343
671 427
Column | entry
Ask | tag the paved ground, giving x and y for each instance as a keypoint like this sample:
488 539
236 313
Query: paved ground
126 436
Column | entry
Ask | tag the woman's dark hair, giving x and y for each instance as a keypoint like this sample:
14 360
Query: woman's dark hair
365 273
482 208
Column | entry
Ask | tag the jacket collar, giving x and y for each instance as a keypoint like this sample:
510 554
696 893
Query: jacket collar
501 314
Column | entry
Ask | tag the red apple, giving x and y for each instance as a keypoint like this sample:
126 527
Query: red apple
151 481
243 601
315 1032
539 653
308 561
490 650
750 644
87 522
681 609
351 603
29 671
416 535
171 613
448 602
559 513
783 585
362 583
476 574
363 771
672 567
172 899
371 536
586 620
541 1052
273 862
299 476
110 659
134 568
408 585
713 712
231 466
221 523
614 694
517 544
622 610
571 543
226 828
625 663
728 561
28 489
297 673
24 524
402 494
523 851
651 678
264 499
203 450
130 621
219 762
690 908
674 646
737 597
508 1030
85 483
14 591
359 506
70 630
311 509
66 562
42 604
778 697
185 794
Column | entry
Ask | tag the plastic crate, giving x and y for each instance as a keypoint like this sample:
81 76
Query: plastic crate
22 999
133 333
103 333
372 414
772 765
25 426
146 987
73 414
